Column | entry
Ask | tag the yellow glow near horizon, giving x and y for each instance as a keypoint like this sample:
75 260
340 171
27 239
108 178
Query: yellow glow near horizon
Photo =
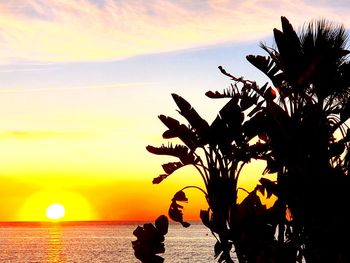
39 207
55 211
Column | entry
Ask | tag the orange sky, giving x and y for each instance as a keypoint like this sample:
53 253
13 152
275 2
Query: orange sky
82 83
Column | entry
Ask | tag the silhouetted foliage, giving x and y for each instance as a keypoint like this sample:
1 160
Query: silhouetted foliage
298 127
150 240
218 151
311 75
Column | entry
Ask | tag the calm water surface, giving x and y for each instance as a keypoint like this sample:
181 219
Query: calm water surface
103 242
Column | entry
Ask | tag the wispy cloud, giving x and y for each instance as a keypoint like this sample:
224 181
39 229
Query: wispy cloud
81 30
84 87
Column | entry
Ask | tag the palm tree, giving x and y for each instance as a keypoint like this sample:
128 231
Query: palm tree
312 78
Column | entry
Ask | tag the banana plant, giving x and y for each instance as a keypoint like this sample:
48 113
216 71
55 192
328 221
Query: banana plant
218 152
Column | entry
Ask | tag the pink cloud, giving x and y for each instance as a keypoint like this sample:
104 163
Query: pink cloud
54 30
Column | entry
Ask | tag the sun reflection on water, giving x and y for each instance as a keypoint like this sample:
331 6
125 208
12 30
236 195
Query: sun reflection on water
54 251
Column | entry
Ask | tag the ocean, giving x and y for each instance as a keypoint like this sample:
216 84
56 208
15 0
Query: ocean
97 242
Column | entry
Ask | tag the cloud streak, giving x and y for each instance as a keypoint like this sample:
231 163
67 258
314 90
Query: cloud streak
87 30
85 87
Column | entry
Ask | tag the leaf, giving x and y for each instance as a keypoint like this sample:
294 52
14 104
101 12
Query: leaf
216 95
185 109
162 224
291 54
138 232
251 207
269 94
248 99
180 131
227 93
256 125
171 167
180 196
217 249
272 166
168 168
175 213
180 151
204 215
227 126
175 210
260 188
268 67
256 109
159 179
270 187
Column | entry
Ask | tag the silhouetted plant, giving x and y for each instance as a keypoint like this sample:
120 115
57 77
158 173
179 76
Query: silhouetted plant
292 125
298 121
218 152
150 240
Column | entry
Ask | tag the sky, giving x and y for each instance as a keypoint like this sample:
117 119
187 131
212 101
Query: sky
82 83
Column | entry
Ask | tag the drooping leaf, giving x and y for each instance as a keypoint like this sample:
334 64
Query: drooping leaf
175 213
175 209
162 224
180 196
204 215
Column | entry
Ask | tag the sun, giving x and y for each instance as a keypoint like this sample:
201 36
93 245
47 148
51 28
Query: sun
55 211
56 205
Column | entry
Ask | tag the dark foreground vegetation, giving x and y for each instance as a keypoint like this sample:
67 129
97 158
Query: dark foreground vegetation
296 123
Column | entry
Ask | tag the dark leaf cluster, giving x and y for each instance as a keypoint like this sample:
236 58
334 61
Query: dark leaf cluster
150 240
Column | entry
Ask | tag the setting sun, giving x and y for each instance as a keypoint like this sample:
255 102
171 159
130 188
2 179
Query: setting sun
56 205
55 211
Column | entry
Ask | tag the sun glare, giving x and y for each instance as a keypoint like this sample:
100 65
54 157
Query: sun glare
56 205
55 211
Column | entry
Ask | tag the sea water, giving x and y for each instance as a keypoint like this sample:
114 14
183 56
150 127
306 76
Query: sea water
98 242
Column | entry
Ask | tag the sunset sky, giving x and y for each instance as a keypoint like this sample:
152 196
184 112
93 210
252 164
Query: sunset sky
82 83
